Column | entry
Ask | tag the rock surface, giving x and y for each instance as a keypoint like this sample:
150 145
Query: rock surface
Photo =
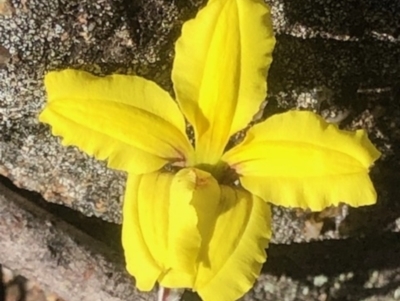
59 256
323 58
329 55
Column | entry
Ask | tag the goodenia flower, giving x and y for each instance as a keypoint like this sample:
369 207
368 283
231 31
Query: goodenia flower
189 225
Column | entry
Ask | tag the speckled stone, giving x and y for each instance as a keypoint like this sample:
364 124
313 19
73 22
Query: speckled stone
99 36
337 46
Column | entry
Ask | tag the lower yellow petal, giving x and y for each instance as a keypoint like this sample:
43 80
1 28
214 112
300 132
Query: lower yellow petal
194 196
140 261
164 218
231 260
296 159
153 218
126 119
186 231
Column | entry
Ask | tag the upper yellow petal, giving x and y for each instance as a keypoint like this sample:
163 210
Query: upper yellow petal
296 159
220 69
126 119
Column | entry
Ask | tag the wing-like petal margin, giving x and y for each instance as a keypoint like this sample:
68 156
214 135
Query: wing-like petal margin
296 159
145 225
184 230
220 68
128 120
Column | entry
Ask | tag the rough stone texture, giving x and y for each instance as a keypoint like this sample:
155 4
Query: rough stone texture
323 60
59 256
103 36
16 287
331 56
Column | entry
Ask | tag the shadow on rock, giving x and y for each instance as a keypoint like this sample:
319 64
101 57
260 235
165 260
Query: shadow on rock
360 256
342 66
355 18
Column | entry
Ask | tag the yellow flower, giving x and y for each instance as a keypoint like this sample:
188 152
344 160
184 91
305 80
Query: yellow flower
191 227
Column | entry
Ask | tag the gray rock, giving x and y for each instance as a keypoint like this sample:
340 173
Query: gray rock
338 46
103 37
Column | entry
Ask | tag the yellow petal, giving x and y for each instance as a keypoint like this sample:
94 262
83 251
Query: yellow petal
126 119
194 196
296 159
137 233
184 230
231 260
162 218
220 69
